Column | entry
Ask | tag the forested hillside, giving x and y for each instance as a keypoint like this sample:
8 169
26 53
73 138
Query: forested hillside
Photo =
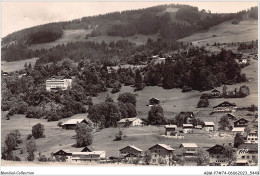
171 22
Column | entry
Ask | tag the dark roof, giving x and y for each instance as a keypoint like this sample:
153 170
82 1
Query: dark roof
62 152
216 149
215 90
250 147
225 104
188 113
166 147
242 120
88 149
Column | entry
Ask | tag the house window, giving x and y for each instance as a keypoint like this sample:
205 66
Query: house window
247 157
243 157
154 160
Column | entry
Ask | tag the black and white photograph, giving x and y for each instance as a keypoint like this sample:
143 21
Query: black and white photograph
161 87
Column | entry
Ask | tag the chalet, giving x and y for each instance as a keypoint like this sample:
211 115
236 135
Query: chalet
187 128
231 92
159 151
169 129
215 93
208 126
189 149
176 135
58 82
94 156
5 74
63 153
231 116
71 124
248 152
241 122
239 130
130 151
217 156
88 149
251 137
154 101
224 107
134 121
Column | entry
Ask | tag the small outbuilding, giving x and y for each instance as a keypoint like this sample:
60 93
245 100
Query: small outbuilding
72 124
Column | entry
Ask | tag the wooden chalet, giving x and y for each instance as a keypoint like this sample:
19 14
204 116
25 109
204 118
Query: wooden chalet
130 151
189 149
241 123
161 151
169 129
224 107
215 93
72 124
88 149
217 156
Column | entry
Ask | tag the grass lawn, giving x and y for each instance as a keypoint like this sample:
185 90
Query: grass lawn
16 65
226 33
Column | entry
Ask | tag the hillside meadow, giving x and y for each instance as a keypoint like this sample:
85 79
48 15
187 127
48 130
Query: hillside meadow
226 32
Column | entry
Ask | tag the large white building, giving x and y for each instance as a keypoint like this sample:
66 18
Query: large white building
55 82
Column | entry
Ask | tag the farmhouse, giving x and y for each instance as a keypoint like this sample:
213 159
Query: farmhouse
72 124
169 129
55 82
62 153
241 122
130 151
159 151
208 126
217 156
224 107
251 137
187 128
189 149
248 152
215 93
94 156
134 121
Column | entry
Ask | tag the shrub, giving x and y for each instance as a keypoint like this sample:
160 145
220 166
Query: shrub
84 135
203 103
119 136
38 130
53 117
59 124
42 158
186 89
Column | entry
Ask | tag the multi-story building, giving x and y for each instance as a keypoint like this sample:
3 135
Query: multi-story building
249 153
217 156
189 149
131 151
161 152
251 137
56 82
224 107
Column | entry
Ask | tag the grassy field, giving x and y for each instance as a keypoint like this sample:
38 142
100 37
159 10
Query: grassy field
226 33
68 36
17 65
80 35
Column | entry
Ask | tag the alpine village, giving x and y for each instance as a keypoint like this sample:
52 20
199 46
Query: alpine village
137 87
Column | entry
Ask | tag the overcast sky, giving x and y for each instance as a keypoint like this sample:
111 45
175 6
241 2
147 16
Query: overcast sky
20 15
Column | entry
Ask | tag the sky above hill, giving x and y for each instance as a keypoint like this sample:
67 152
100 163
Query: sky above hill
20 15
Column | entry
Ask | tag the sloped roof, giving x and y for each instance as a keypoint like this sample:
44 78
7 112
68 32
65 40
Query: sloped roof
129 119
134 147
73 121
187 125
88 153
190 145
163 146
215 90
225 104
209 123
216 149
250 147
170 126
241 119
242 161
90 148
238 129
